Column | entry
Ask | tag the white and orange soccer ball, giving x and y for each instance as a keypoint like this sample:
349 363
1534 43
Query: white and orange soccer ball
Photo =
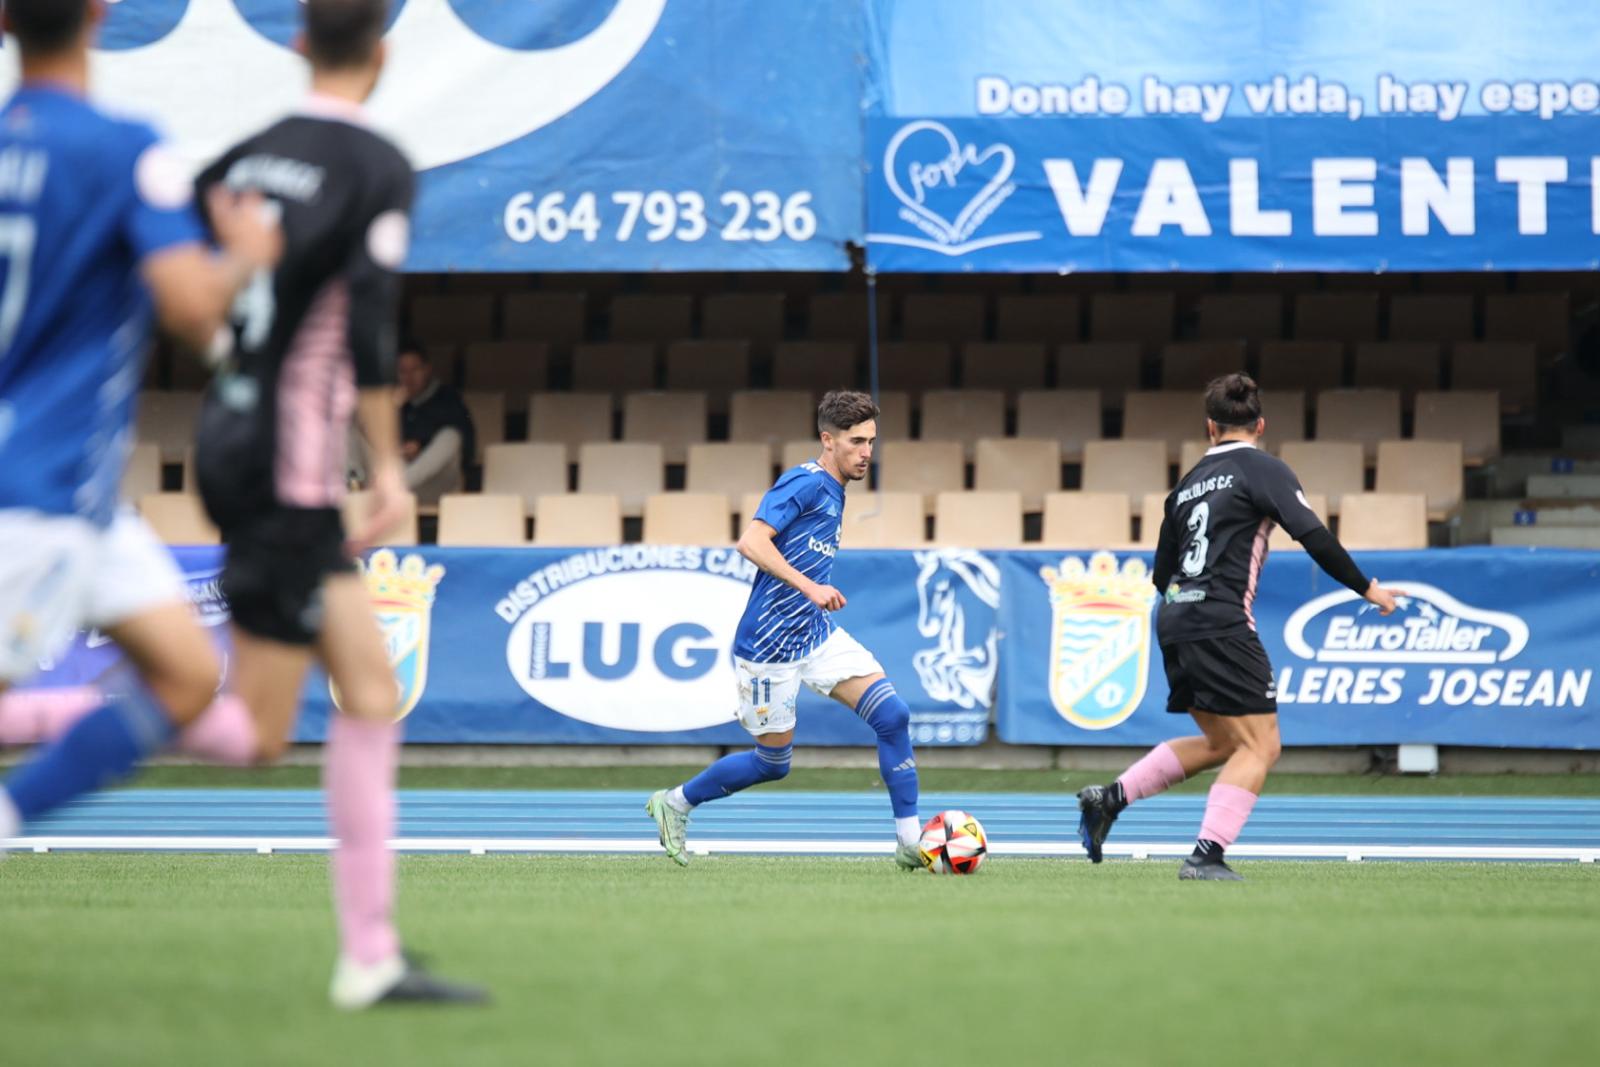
953 842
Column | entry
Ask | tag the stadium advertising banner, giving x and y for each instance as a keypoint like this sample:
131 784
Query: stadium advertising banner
1339 135
570 135
1489 647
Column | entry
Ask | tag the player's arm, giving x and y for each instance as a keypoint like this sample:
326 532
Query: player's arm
1277 492
755 545
1166 561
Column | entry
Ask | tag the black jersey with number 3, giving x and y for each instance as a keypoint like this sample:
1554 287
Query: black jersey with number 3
1214 540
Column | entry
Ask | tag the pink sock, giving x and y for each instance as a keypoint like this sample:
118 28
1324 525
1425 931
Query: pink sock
1227 808
1158 770
224 733
34 716
358 776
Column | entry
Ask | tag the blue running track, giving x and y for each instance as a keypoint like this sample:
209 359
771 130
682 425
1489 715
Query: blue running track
829 824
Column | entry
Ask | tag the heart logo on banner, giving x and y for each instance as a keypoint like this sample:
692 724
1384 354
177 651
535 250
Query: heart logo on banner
925 159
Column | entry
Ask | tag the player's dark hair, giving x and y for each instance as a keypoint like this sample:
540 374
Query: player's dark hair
841 410
45 26
343 33
414 347
1233 400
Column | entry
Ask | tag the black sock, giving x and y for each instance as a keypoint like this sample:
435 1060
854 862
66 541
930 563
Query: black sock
1205 849
1116 798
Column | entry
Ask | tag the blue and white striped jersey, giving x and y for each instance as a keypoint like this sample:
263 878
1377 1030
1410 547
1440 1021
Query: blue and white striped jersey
806 508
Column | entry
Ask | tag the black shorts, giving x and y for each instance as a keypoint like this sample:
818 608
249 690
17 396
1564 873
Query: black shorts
276 564
1222 675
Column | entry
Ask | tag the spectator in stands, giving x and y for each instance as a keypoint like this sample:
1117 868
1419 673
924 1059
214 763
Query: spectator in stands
436 434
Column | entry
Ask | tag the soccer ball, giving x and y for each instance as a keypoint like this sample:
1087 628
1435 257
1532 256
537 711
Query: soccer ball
953 842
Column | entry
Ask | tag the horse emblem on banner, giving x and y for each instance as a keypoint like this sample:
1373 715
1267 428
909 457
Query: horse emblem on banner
958 593
1100 638
402 597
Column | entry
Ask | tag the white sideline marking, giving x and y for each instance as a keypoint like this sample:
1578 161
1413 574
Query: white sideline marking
479 846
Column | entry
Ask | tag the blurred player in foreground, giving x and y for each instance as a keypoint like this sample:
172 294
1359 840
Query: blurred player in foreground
97 228
1208 563
786 638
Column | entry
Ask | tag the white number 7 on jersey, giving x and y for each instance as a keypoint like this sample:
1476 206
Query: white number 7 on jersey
17 236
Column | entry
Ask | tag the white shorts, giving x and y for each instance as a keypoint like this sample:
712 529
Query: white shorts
60 574
768 691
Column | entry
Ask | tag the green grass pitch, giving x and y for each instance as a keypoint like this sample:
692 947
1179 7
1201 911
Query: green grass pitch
196 959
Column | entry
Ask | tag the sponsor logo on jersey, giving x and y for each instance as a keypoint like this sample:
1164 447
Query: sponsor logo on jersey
1100 638
403 592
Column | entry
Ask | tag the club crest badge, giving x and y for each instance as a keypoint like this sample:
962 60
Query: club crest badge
1100 638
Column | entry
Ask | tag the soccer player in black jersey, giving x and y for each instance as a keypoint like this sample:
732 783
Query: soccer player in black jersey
315 345
1213 544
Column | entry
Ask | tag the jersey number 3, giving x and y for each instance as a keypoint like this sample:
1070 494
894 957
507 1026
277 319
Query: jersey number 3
1194 560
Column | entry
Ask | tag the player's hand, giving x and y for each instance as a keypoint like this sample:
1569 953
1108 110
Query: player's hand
246 226
1383 598
388 501
825 597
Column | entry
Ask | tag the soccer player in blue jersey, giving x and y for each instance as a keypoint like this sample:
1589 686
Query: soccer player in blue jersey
787 639
96 231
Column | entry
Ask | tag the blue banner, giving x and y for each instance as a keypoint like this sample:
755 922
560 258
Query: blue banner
563 135
1490 647
1064 135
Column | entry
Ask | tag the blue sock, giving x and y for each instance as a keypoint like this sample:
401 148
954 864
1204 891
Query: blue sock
883 710
739 771
100 749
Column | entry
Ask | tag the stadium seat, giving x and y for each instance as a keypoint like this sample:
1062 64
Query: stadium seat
1010 367
1151 515
749 503
1543 318
772 417
1386 284
1364 415
687 519
1330 469
1469 416
615 369
926 467
1432 468
452 318
1146 319
1086 520
894 416
950 318
1113 369
1253 317
716 368
1190 454
843 316
560 320
673 420
1280 541
513 369
978 519
914 367
526 470
731 468
1070 416
1432 317
1510 368
754 317
1384 520
1030 466
1170 416
629 470
1311 366
488 411
1285 412
578 519
815 366
801 450
1472 282
963 415
657 317
358 505
482 520
883 520
178 519
1193 364
142 476
1038 318
1411 367
1348 318
168 421
1133 468
571 419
